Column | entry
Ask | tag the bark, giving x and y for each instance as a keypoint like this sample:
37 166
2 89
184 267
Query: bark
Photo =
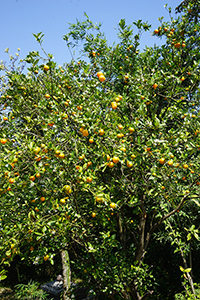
140 246
66 273
121 234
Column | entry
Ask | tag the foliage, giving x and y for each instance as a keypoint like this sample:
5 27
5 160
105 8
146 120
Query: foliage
97 154
29 291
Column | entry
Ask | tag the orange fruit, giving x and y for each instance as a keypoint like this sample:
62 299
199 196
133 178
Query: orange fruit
3 141
156 31
185 166
61 155
32 178
67 189
162 160
101 131
94 214
85 132
170 162
108 157
120 135
46 68
111 164
36 150
129 164
131 130
89 163
62 201
38 175
102 78
120 126
5 118
177 45
112 205
46 257
99 73
42 199
155 86
79 107
89 179
115 159
11 180
47 96
91 140
114 105
182 78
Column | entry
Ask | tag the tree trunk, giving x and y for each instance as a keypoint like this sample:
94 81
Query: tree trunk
66 273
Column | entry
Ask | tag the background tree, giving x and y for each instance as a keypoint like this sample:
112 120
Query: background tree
99 154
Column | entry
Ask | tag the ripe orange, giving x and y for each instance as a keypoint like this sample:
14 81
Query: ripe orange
67 189
115 159
182 78
79 107
162 160
155 86
120 135
36 150
102 78
47 96
165 29
81 157
91 140
170 162
131 130
99 73
177 45
62 201
114 105
112 205
111 164
94 214
120 126
85 132
156 31
129 164
11 180
3 141
101 131
185 166
38 175
89 163
42 199
32 178
89 179
5 118
46 257
108 157
61 155
46 68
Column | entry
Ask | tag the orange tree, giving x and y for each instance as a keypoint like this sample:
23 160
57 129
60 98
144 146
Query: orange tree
98 153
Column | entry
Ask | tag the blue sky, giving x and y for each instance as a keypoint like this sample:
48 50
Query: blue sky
20 18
